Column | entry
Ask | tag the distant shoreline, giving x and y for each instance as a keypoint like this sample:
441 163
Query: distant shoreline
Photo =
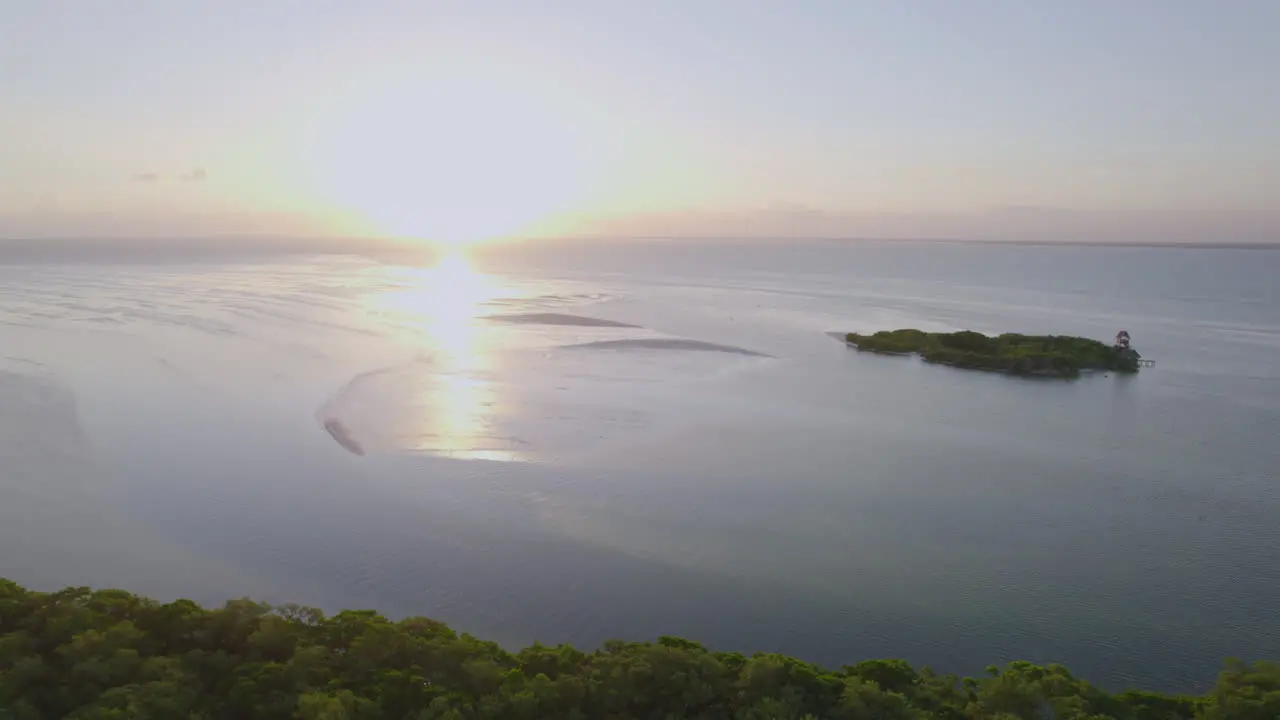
348 245
1093 243
1275 245
1101 243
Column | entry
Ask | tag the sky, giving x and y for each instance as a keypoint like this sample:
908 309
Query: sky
1140 120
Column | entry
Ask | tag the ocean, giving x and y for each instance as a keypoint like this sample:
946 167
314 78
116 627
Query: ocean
578 441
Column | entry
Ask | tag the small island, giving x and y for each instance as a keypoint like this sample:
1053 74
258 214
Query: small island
1059 356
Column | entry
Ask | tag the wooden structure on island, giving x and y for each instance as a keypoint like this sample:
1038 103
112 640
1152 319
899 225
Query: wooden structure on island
1122 348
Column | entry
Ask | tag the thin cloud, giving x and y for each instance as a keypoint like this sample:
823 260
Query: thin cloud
197 175
146 177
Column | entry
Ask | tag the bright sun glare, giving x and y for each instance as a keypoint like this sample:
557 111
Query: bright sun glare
454 155
456 394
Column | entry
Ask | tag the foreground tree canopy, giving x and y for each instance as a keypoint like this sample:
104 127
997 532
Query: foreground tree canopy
1052 355
108 654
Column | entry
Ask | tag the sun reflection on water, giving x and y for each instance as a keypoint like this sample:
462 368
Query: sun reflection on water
454 397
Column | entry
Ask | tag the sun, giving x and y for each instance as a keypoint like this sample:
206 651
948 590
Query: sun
453 155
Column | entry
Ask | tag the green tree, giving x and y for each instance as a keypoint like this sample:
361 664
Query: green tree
77 653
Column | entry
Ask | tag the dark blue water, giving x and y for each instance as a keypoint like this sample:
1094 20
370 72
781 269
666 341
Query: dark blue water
561 480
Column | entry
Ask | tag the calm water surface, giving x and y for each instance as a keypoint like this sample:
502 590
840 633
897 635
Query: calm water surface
578 442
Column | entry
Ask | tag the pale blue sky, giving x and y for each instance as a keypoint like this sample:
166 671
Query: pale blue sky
1130 119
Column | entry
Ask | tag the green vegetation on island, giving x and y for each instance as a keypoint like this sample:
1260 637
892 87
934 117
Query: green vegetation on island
107 654
1049 355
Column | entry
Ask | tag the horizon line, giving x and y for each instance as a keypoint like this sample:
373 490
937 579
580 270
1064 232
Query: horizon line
239 240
